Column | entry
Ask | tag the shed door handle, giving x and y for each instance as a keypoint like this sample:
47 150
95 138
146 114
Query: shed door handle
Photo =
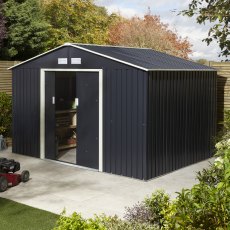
53 100
76 101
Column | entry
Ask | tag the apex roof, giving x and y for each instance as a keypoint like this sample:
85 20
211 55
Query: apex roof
142 58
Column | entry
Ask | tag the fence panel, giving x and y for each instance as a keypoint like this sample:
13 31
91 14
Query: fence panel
6 76
223 88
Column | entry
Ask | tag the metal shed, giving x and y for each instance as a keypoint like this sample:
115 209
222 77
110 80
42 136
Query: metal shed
128 111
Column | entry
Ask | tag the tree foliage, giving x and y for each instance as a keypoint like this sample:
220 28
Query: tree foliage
26 29
34 26
76 21
149 32
218 13
2 24
202 61
5 114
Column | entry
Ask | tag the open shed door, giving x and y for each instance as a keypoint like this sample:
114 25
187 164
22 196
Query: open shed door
88 119
50 122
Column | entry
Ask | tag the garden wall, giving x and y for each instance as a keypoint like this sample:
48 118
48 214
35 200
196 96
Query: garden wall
6 76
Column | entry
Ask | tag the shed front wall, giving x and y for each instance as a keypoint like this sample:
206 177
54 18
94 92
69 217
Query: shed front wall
181 119
124 109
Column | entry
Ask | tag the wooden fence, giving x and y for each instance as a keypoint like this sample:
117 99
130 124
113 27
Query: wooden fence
223 88
6 76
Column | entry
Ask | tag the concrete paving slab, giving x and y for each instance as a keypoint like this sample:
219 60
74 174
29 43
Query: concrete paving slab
54 186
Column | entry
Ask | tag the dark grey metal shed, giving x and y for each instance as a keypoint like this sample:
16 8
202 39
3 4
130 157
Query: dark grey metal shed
128 111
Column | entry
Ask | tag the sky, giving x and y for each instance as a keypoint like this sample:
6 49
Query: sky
185 27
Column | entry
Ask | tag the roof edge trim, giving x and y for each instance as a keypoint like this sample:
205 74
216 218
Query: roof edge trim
182 70
119 46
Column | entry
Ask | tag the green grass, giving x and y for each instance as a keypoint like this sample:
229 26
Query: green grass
15 216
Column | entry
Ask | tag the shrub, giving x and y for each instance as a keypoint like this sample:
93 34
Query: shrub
210 176
5 114
150 210
202 207
207 204
76 222
115 223
157 203
224 133
226 122
138 213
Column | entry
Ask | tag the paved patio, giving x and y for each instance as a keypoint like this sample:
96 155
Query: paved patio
55 186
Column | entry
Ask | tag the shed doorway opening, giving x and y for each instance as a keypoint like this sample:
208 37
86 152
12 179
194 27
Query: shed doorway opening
66 117
72 117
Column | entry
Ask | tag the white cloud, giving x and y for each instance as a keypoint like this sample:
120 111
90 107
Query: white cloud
125 12
187 27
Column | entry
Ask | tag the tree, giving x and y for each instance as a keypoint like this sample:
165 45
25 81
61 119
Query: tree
202 61
27 31
218 13
2 24
149 32
76 21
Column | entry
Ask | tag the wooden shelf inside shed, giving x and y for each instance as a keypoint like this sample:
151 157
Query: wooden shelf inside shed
65 127
66 111
62 147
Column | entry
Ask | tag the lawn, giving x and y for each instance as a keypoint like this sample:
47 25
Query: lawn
15 216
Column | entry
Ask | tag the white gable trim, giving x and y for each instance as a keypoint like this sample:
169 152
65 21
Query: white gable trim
49 51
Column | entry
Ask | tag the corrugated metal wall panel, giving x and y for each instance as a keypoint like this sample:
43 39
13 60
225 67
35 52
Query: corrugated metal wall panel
181 119
26 113
125 122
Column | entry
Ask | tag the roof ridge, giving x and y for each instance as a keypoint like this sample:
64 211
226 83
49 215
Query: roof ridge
115 46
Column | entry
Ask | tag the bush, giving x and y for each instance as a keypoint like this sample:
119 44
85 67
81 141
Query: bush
5 114
202 207
115 223
224 133
210 176
150 210
138 213
157 203
76 222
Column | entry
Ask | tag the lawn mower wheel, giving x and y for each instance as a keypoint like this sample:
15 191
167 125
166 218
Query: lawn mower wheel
3 184
25 176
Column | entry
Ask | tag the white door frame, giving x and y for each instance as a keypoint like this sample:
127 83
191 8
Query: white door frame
42 109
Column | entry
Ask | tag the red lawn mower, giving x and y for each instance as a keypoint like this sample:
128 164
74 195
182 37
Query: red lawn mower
8 177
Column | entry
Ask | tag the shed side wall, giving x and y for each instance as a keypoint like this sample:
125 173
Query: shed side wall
26 112
181 119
